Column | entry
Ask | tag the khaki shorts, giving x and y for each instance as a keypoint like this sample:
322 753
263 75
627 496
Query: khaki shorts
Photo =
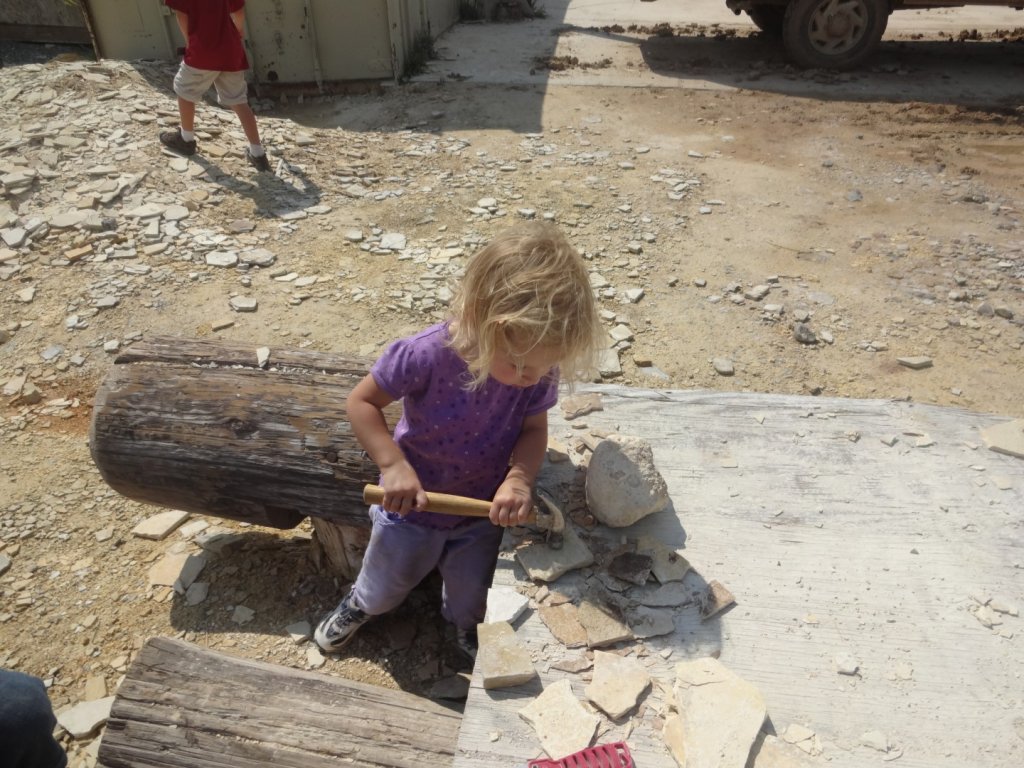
191 83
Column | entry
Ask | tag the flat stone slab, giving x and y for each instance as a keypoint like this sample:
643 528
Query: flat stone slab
560 721
617 684
501 661
564 623
603 625
1006 438
160 525
543 563
718 718
505 604
84 719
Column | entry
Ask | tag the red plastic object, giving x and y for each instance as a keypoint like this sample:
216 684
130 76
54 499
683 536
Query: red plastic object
614 755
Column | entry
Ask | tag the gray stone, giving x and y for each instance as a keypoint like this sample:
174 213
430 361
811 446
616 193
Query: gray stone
1007 438
723 366
622 484
243 304
454 688
299 632
715 600
757 293
803 333
393 241
651 622
563 622
617 684
560 721
543 563
197 592
718 716
915 363
667 564
608 364
501 661
632 567
575 406
84 719
222 258
665 596
5 563
160 525
259 257
602 622
504 604
242 614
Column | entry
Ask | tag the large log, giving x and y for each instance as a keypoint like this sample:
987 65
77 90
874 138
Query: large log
200 426
182 706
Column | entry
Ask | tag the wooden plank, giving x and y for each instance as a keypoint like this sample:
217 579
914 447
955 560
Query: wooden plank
832 542
182 706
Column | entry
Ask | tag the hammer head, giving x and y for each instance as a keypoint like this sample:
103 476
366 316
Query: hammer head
549 518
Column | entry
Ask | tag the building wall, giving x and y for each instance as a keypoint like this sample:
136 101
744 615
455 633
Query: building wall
289 41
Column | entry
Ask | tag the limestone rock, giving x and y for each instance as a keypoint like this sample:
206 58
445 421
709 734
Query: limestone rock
623 485
501 660
603 625
504 604
651 622
84 719
563 622
160 525
560 721
617 684
718 716
543 563
1006 438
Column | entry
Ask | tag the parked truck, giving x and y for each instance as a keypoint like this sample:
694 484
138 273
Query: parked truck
836 34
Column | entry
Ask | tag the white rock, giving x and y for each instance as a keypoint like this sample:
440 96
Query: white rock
160 525
622 484
617 684
560 721
504 604
84 719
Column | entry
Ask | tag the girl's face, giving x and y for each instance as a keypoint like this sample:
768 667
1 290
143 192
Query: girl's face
523 370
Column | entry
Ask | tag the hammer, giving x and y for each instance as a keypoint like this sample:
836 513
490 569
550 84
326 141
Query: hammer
547 519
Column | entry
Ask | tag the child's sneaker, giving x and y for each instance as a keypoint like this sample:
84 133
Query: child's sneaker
259 162
173 141
339 626
467 641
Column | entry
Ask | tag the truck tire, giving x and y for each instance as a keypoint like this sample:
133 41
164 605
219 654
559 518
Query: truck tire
768 18
833 34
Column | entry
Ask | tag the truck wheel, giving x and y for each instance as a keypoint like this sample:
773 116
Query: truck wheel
833 34
768 18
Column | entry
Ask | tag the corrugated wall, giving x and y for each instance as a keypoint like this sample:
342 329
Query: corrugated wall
289 41
42 21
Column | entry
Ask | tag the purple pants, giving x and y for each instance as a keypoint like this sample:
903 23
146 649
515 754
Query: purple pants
401 554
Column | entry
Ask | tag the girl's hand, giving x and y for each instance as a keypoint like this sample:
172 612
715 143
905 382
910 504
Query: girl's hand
512 503
402 489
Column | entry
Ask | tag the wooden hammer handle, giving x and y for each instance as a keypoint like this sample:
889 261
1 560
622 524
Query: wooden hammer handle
437 502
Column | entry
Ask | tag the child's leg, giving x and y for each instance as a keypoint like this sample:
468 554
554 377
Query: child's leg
397 558
187 114
467 567
248 120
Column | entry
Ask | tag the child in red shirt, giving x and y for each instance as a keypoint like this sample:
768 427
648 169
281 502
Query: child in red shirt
214 55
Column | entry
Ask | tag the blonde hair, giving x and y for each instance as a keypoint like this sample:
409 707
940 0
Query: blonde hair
526 289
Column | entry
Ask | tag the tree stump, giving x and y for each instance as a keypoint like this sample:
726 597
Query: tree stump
201 426
182 706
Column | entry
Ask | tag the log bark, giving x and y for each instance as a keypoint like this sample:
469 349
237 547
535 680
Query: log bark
182 706
199 426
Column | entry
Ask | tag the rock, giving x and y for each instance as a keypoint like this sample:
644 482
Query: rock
197 592
5 563
543 563
632 567
718 716
845 664
715 600
723 366
622 484
915 363
757 293
176 570
84 719
608 364
242 614
560 721
1007 438
501 661
393 241
160 525
504 604
221 258
563 622
617 684
453 687
666 564
803 333
299 632
602 624
95 688
665 596
575 406
647 622
875 740
243 304
314 656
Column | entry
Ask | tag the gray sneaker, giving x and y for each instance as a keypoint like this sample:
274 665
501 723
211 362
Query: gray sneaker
339 627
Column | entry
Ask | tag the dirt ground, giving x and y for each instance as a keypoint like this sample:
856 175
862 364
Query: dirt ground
894 228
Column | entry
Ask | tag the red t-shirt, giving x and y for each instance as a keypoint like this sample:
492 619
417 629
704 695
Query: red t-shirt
213 40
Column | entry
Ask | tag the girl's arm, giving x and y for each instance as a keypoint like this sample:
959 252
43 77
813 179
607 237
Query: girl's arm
365 406
238 17
513 500
182 19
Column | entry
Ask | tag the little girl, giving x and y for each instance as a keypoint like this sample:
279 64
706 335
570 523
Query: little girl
475 393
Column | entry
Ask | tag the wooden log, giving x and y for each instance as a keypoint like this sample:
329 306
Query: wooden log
182 706
200 426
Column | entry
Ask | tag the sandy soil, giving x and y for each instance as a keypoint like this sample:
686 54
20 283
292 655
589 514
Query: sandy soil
894 227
